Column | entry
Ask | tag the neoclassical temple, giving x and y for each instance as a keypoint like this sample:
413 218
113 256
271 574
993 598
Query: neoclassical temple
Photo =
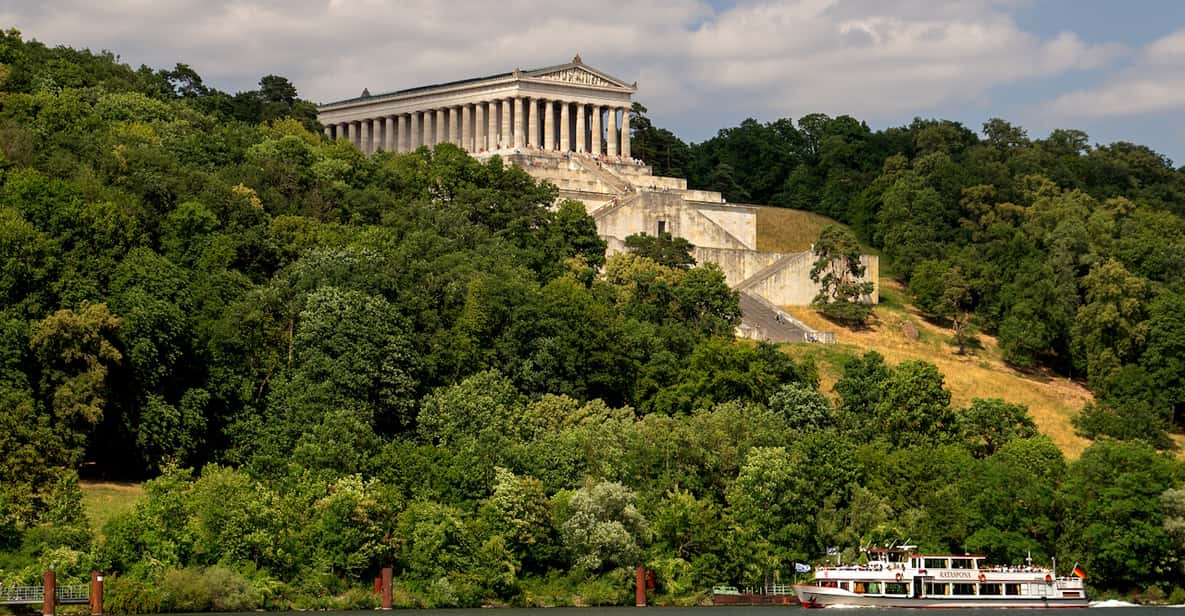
569 108
570 125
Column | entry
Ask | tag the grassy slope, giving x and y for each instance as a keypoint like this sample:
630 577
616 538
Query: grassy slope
104 500
981 373
783 230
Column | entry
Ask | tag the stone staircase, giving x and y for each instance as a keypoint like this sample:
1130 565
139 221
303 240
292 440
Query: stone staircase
615 204
608 177
761 320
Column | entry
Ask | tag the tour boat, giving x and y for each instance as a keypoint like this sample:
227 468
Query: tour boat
898 577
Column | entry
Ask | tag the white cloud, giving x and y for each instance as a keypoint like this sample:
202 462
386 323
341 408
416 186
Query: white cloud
1149 84
871 58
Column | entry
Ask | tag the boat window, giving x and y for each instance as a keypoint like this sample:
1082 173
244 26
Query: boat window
874 587
963 589
934 589
843 585
936 563
1012 589
896 588
960 563
990 589
858 587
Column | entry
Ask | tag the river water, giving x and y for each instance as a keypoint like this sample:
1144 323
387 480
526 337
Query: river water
1121 610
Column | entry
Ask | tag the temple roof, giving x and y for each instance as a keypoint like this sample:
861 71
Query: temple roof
576 72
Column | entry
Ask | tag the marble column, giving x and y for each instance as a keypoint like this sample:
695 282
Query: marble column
441 126
549 124
611 134
454 126
329 133
532 105
506 133
580 113
565 127
413 134
520 129
466 128
340 131
404 132
479 128
596 130
388 133
625 133
349 132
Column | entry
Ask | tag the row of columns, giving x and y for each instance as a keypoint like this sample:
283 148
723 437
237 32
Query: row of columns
517 122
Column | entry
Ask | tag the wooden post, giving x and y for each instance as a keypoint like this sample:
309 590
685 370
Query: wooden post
640 587
48 605
387 580
96 593
378 586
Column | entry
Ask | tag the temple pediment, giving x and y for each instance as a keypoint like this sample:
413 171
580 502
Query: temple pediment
576 72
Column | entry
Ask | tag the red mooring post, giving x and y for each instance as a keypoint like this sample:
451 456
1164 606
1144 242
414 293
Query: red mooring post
388 578
96 593
51 585
378 586
640 587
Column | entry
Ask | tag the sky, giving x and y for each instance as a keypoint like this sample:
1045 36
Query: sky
1115 69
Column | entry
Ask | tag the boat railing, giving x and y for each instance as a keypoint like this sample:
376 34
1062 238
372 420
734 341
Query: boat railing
868 567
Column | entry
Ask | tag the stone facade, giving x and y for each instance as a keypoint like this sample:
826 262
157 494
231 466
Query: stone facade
569 125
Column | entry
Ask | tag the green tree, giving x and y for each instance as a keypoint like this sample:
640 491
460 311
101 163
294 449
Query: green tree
600 526
839 273
662 249
75 350
987 425
803 407
1114 523
915 406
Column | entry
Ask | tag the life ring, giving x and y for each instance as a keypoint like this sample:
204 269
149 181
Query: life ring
1048 579
982 577
899 577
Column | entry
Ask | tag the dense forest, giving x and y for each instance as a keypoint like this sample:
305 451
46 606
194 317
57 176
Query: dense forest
322 363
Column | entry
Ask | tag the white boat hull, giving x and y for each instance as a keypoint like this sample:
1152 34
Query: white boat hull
818 596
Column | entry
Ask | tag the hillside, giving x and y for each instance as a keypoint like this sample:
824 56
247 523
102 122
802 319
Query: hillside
981 373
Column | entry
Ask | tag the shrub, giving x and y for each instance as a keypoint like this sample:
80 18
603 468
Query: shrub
125 595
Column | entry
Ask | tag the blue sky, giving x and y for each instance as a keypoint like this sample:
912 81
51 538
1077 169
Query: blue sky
1114 69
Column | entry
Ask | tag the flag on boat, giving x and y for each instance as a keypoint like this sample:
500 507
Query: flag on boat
801 568
833 551
1079 571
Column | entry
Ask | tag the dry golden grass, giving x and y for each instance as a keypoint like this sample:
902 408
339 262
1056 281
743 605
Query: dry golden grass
104 500
1052 401
784 230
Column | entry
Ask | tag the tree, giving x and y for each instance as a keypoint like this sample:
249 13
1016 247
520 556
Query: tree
600 526
915 407
522 514
1114 523
839 273
665 153
958 303
1111 327
987 425
803 407
860 390
75 351
662 249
